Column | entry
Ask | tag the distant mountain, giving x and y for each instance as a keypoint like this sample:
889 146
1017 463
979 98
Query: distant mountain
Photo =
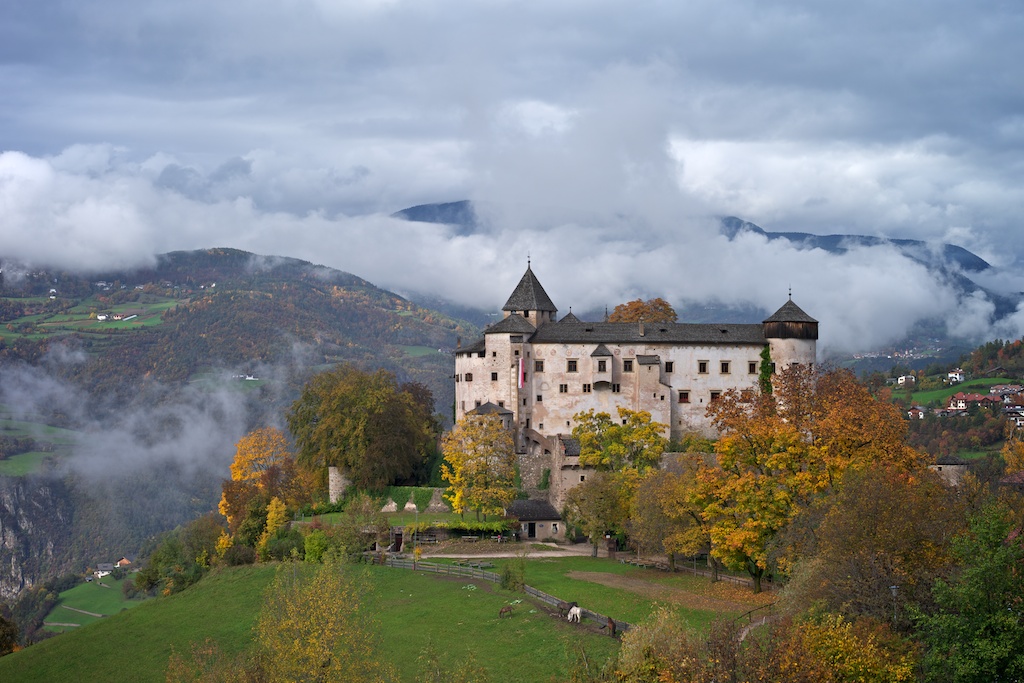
954 263
839 244
220 309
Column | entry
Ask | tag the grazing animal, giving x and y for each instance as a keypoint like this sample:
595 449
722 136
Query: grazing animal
564 607
574 614
611 627
507 609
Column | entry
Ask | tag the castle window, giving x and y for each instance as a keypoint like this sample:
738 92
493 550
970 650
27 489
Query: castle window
627 366
616 388
462 406
715 395
702 367
725 367
539 398
481 354
669 366
602 366
752 367
773 368
494 377
563 388
586 388
538 366
517 352
501 404
469 376
478 404
524 401
583 477
570 366
684 396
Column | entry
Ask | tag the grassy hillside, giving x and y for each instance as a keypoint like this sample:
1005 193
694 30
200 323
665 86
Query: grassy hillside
457 616
99 597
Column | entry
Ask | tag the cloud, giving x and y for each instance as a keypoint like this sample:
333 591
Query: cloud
599 139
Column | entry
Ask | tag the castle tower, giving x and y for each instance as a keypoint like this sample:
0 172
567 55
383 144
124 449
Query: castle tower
792 336
530 301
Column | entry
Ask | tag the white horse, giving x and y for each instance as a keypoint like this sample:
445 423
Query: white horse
574 614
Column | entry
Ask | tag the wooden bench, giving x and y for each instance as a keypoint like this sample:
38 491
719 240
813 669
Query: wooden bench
471 538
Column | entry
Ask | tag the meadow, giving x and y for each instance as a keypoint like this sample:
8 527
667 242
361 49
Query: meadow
456 617
100 596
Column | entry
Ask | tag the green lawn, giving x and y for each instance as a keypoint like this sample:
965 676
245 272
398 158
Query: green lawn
23 463
411 610
940 396
552 575
418 351
101 596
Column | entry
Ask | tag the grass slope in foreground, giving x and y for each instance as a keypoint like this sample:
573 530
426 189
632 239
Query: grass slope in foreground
411 610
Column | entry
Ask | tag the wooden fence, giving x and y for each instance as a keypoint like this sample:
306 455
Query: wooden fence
480 573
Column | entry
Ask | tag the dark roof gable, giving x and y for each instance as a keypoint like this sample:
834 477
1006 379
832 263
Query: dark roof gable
514 323
529 296
790 313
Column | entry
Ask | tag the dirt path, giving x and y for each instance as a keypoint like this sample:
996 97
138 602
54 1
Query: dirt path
82 611
657 591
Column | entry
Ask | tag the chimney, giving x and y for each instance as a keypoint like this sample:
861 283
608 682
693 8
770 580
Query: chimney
458 342
641 328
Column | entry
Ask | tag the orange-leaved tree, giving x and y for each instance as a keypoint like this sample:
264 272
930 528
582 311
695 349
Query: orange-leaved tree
779 451
263 468
651 311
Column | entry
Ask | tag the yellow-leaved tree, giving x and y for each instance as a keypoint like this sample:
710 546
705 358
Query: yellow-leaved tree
479 465
313 628
633 441
263 467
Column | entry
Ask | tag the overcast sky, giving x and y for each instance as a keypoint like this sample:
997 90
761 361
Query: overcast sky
603 136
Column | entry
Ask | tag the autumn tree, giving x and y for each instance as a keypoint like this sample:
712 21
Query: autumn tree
600 505
882 568
313 627
373 428
633 441
263 468
651 311
479 465
779 451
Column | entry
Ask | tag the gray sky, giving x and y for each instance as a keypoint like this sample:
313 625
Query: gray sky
601 135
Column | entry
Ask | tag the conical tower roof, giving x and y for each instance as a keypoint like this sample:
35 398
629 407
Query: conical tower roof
529 296
790 313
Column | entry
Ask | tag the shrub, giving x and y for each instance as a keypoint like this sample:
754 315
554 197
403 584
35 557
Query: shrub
238 555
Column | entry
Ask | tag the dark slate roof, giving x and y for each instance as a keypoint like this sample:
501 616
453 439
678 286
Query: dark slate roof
570 445
601 350
532 510
648 360
514 323
656 333
489 409
477 346
790 313
529 296
570 318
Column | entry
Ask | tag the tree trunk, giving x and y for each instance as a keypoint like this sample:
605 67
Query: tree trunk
671 562
593 550
755 573
713 565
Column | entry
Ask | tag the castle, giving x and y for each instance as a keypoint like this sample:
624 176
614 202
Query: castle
536 372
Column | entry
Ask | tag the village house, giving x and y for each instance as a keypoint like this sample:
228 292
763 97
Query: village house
541 371
962 401
956 376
